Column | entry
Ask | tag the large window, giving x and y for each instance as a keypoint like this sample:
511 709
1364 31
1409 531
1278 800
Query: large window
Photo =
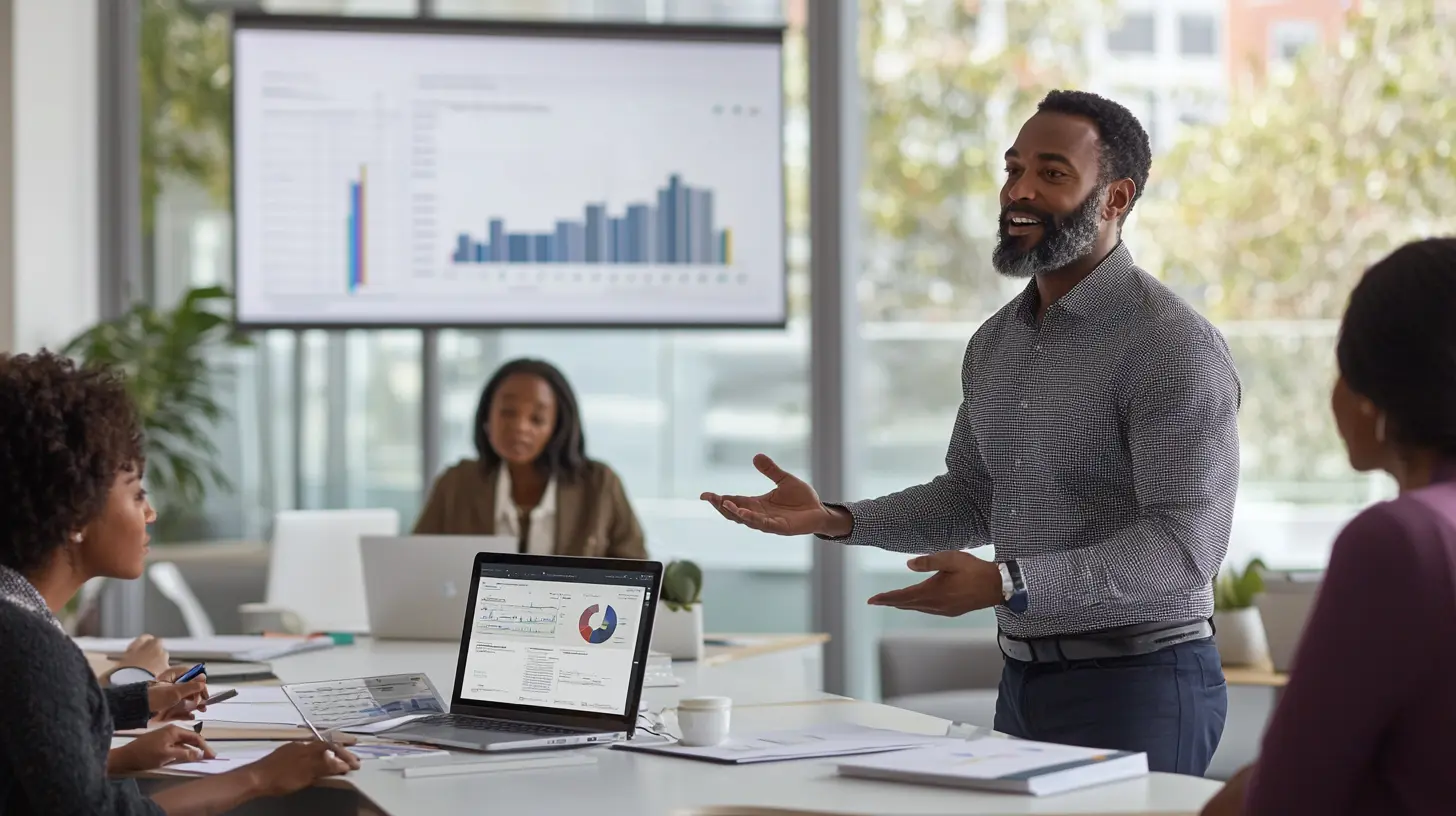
316 419
1256 213
334 419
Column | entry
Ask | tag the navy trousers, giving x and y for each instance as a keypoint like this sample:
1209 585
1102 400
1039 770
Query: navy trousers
1170 704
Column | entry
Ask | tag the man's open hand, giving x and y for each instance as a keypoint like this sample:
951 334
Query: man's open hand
962 583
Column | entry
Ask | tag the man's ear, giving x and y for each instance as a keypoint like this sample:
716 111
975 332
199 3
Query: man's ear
1119 199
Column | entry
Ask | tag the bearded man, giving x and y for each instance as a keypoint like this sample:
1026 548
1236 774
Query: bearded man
1096 448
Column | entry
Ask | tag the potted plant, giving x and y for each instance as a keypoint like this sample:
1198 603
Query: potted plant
679 628
166 358
1238 629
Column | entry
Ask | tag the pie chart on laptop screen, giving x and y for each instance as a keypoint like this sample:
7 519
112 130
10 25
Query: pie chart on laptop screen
602 631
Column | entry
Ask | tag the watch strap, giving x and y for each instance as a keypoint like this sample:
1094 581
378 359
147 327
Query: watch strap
1013 587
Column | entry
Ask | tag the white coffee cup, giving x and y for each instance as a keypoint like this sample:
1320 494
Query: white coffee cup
704 720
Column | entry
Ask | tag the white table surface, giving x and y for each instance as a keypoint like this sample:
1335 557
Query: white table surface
623 783
769 693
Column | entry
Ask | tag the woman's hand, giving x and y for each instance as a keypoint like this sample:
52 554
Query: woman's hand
157 748
169 700
146 652
297 765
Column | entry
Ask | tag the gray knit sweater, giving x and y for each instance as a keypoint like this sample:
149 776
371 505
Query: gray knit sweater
56 724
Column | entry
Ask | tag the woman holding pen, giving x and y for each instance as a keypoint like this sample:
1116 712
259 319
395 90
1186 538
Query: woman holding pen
72 508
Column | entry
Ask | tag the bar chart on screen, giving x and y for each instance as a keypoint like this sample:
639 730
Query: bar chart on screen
646 209
328 214
676 230
419 177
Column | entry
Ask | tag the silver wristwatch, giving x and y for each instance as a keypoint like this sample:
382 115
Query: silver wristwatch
1008 586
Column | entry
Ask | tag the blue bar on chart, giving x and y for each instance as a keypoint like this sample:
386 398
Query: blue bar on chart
357 266
676 227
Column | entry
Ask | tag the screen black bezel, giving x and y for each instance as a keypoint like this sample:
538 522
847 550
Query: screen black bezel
657 32
627 721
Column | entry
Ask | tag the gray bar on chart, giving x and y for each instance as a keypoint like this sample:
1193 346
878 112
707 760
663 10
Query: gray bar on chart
661 249
595 229
497 240
705 226
686 249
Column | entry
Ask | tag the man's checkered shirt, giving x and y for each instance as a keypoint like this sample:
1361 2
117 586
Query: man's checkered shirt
1099 449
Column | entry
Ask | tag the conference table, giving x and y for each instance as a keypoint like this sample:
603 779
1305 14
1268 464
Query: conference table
775 684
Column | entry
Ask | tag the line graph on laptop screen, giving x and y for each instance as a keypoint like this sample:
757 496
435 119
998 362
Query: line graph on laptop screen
518 620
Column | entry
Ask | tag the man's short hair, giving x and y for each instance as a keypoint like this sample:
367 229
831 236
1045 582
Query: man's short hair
1126 151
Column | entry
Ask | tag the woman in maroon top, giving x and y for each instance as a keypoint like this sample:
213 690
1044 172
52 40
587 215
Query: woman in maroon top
1367 723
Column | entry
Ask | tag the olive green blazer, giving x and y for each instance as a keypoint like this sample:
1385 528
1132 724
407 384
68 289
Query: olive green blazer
593 516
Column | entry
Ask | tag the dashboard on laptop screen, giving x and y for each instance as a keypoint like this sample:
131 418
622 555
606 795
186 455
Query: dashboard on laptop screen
558 637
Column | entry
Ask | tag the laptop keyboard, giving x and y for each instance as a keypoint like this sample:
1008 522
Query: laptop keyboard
480 724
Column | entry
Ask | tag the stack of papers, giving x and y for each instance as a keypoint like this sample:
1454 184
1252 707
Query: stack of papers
1013 766
245 648
836 739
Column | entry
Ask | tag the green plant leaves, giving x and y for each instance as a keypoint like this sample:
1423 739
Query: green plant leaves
682 585
168 359
1233 589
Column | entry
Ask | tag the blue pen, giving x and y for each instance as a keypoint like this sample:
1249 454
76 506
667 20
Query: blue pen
192 672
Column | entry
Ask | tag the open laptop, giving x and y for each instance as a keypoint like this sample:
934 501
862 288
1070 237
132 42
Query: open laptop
552 654
415 585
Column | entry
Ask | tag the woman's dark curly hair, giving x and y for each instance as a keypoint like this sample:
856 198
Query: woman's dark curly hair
1397 345
565 452
65 433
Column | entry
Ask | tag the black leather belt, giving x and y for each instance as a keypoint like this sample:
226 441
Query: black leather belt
1123 641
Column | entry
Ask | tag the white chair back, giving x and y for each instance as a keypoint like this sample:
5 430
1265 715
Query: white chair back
314 568
168 580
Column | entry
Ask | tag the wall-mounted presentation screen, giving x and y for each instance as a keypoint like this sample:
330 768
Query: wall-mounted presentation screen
407 173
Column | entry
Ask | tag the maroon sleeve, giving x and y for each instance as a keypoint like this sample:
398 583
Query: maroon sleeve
1343 692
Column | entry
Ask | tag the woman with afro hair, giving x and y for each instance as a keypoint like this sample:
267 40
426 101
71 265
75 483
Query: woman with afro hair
73 508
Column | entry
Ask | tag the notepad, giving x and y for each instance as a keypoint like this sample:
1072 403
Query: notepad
1012 766
222 763
835 739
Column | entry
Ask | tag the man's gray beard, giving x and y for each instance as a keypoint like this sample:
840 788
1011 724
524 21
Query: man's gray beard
1061 244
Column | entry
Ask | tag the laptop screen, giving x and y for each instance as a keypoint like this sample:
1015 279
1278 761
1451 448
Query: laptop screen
563 637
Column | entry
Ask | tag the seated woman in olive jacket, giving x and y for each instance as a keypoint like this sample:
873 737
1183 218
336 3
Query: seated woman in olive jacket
533 481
